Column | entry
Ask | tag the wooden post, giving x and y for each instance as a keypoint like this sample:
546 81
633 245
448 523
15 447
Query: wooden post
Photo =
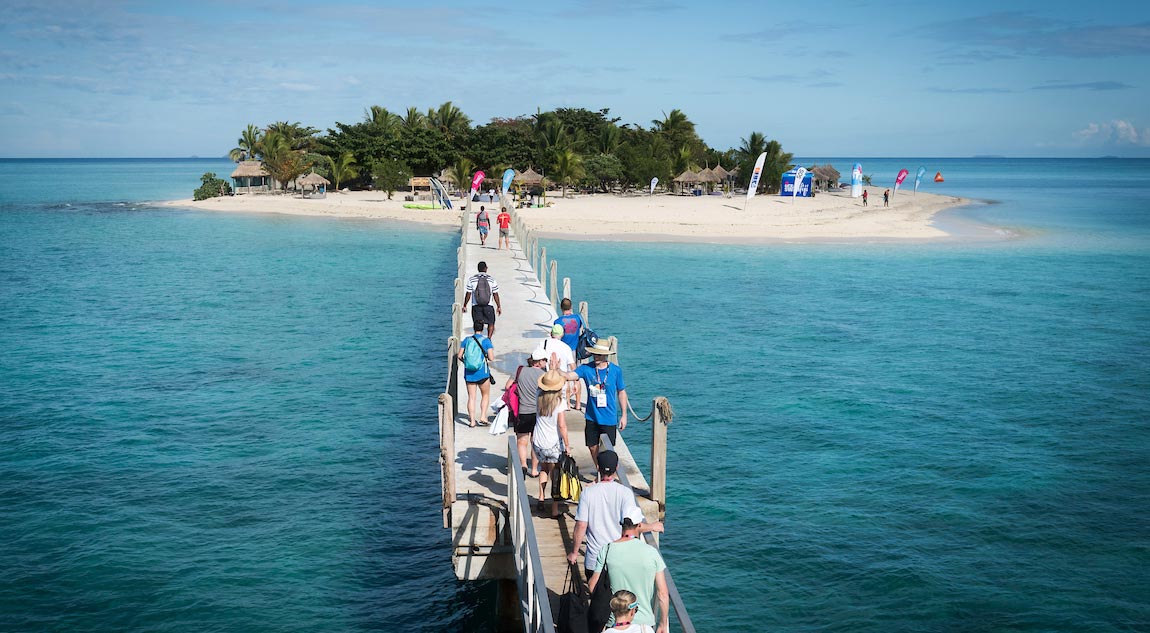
457 321
453 374
659 458
458 292
613 343
583 313
566 287
447 453
554 296
539 271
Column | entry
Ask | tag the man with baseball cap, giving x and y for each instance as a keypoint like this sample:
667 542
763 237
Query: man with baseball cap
602 508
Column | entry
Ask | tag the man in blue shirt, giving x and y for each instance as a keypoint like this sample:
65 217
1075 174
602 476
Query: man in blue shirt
606 410
572 325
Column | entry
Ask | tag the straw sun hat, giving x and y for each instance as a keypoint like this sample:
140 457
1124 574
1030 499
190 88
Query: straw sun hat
551 381
600 347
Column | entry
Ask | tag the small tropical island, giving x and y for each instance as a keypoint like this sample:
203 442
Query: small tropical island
578 172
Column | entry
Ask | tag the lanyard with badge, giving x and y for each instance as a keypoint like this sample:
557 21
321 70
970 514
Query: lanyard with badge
599 389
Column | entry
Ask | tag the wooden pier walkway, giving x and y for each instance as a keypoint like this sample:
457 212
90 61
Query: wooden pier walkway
488 504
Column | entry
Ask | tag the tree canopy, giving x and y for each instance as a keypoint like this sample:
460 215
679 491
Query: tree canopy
572 147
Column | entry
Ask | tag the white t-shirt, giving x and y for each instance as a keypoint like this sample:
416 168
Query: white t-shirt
565 356
631 628
603 506
546 432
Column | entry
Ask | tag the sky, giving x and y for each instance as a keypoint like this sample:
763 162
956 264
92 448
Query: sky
109 78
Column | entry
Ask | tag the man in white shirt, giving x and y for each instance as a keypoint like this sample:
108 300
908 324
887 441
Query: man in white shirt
562 357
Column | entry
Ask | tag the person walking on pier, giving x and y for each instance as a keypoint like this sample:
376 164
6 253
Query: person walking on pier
572 325
562 358
482 224
475 352
624 606
483 288
504 221
606 411
602 508
550 437
526 379
636 567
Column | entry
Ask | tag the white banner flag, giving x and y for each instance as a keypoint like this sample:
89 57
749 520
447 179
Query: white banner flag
755 175
800 174
654 181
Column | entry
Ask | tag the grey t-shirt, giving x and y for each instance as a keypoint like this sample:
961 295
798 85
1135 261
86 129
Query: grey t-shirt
529 389
604 506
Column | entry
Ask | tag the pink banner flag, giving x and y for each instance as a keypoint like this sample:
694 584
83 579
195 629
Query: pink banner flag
478 180
898 181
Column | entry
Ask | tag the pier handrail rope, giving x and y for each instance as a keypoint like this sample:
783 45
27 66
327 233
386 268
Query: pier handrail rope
672 590
533 600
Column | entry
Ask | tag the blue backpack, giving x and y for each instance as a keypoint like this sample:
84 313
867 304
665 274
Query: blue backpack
473 357
586 339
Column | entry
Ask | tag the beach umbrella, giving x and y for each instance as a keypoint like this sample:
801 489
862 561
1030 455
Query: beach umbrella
529 177
313 179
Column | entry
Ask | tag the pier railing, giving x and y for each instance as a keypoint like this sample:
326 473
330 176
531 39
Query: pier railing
533 601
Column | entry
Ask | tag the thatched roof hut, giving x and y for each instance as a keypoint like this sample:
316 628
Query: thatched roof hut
687 178
708 175
249 174
826 176
313 180
720 172
529 177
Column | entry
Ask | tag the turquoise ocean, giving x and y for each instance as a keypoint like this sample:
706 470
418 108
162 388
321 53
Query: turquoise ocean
225 422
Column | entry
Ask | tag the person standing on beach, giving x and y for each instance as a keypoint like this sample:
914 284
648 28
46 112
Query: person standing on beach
886 198
864 197
606 411
602 508
482 224
504 221
475 352
484 288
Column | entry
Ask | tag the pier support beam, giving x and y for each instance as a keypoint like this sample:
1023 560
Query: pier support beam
659 458
554 296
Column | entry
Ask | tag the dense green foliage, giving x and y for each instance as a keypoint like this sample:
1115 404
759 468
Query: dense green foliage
572 147
390 175
211 187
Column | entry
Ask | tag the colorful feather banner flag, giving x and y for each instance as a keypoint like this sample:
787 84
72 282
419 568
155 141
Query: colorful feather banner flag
902 174
508 176
856 181
755 175
800 174
918 179
477 181
441 193
654 181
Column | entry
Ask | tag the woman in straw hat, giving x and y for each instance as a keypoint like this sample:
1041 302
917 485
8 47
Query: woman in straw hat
550 437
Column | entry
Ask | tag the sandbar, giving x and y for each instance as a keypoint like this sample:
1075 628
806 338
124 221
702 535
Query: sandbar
829 216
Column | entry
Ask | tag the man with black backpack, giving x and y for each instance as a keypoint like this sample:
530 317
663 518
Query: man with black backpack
483 288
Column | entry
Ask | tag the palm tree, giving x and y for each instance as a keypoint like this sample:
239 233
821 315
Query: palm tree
568 167
246 146
683 160
460 173
281 161
675 124
298 137
748 153
414 119
777 163
610 138
385 121
342 168
448 119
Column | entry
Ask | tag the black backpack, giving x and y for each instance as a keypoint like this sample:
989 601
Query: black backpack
482 295
586 339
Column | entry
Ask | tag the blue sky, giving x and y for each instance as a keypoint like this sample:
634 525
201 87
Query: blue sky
108 78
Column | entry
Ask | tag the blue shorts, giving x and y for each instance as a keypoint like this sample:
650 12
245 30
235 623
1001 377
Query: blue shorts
483 230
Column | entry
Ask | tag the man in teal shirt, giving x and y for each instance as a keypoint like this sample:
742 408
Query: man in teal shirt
637 567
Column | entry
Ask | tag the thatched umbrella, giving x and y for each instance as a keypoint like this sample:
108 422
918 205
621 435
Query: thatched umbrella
248 170
826 175
313 180
720 172
529 177
686 178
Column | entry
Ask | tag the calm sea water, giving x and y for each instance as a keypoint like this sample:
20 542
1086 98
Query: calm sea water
224 422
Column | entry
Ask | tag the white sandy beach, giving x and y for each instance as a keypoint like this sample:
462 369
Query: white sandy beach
828 216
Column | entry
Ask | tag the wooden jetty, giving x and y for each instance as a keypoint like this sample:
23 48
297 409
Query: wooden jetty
486 499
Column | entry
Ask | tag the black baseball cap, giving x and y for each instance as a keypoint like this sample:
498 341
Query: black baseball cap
608 462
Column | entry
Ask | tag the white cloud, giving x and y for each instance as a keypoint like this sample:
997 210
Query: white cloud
1116 132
